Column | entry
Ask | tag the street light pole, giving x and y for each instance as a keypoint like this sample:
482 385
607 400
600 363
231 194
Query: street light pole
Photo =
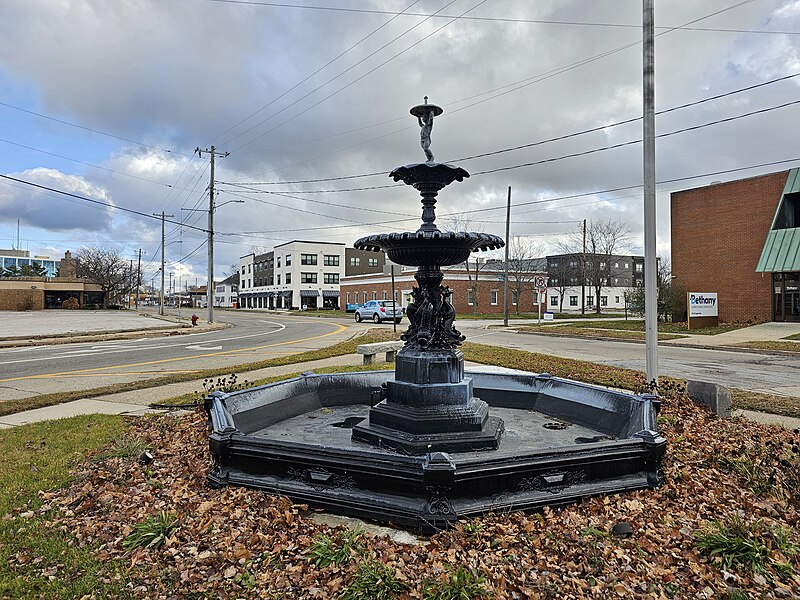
649 137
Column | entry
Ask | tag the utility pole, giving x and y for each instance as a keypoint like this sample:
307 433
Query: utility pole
138 278
210 285
583 272
161 303
505 268
649 137
131 280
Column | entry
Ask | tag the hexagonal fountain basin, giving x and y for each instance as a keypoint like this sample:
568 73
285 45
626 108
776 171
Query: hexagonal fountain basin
563 440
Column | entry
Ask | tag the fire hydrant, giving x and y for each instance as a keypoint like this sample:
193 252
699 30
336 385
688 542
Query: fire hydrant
194 320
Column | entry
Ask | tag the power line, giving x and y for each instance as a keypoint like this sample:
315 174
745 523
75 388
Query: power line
497 19
360 77
636 141
97 131
567 136
299 83
91 200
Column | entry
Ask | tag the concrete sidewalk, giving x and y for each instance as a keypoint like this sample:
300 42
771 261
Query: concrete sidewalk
136 402
763 332
47 327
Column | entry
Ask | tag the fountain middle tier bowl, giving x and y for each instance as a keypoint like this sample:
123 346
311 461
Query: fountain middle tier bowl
429 248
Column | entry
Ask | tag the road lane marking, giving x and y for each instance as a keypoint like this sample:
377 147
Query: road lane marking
339 329
118 349
199 347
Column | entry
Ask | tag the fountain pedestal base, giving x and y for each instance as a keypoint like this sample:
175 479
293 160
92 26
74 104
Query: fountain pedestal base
429 407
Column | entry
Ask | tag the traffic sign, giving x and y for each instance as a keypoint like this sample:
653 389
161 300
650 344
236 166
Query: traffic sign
540 282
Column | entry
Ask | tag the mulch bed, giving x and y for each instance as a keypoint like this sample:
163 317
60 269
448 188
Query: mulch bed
237 543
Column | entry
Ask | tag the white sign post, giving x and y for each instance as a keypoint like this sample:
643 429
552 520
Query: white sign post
540 283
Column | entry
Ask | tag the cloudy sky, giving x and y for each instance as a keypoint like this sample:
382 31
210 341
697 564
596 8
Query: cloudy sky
107 100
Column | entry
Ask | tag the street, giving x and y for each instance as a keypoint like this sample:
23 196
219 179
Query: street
34 370
769 373
255 336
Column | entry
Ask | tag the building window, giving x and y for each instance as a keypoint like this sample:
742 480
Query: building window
305 259
470 297
616 299
288 278
355 261
289 260
603 300
573 301
589 300
573 264
553 300
639 267
514 297
385 295
331 260
308 278
330 277
248 268
493 295
616 265
279 278
395 295
602 265
347 295
372 262
374 295
554 282
356 296
279 262
553 265
242 269
627 265
789 212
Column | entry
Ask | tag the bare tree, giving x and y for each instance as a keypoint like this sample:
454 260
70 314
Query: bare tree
562 275
466 223
604 239
523 255
106 268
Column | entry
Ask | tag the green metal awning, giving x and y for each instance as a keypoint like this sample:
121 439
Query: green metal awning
781 251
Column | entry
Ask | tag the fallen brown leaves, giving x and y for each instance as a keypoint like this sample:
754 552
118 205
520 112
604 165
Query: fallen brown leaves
237 543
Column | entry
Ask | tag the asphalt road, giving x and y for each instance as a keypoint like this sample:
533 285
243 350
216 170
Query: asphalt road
769 373
257 336
34 370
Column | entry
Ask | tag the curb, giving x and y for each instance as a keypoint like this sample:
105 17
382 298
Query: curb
671 343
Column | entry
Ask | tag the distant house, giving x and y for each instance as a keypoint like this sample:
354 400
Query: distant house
226 292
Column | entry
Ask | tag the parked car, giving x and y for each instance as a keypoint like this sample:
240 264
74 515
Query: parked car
378 311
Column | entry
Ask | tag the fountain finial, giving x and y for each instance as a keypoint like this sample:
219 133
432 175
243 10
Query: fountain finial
425 113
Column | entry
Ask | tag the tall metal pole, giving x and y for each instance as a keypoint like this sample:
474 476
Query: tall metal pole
138 278
649 136
210 284
583 272
161 300
505 268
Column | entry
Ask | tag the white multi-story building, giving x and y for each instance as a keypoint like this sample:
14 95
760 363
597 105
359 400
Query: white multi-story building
297 274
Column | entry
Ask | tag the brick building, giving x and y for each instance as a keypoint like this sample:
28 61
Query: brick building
488 293
741 239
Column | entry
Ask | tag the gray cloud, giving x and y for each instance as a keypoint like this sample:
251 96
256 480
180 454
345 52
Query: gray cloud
178 74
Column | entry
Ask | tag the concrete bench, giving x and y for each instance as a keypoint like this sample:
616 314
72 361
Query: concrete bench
370 350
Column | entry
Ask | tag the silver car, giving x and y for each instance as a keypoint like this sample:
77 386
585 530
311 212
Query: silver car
379 311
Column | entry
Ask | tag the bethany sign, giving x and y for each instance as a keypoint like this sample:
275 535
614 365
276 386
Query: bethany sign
703 309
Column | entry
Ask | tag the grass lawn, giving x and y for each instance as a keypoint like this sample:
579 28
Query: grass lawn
599 330
37 561
772 345
630 325
796 336
723 525
533 315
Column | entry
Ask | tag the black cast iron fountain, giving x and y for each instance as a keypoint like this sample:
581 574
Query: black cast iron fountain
420 448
